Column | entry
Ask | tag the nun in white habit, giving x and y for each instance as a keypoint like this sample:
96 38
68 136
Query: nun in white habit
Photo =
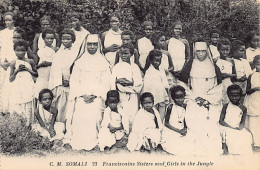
204 93
89 84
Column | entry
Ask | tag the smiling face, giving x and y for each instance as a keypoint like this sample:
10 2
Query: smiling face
48 40
66 40
147 104
20 52
234 96
177 30
9 22
214 38
92 47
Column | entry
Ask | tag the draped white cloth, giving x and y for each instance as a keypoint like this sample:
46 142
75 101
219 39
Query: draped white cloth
128 94
144 128
144 47
176 49
45 54
111 38
253 109
60 70
90 76
238 141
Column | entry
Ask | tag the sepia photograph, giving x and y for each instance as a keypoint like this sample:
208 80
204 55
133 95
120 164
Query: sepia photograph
129 84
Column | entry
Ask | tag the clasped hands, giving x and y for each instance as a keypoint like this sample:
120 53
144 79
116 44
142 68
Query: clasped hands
124 82
202 102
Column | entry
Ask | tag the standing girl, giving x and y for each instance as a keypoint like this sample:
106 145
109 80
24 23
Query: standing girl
252 103
252 42
23 70
178 47
111 40
144 45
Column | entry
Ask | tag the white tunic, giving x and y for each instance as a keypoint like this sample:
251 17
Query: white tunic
144 47
176 49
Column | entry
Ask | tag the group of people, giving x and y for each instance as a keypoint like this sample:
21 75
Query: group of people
84 90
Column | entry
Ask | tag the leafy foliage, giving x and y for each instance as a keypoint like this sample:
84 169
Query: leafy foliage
17 138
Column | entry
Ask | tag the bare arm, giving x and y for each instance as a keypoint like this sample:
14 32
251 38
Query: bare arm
33 72
243 119
54 112
222 117
35 43
13 71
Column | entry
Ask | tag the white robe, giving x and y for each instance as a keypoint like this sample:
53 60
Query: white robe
238 141
60 69
144 128
172 141
128 94
46 118
116 120
111 38
243 68
22 94
45 54
214 51
176 49
251 53
253 109
225 67
80 35
90 76
203 128
144 47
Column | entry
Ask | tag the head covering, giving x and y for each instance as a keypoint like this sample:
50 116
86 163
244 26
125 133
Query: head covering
202 45
87 61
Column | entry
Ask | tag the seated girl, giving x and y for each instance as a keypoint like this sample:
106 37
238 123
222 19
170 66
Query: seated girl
155 82
114 124
147 126
175 127
236 138
46 117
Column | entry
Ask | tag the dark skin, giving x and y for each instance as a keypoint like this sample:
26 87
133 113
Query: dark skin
125 56
234 97
179 101
249 89
46 103
14 71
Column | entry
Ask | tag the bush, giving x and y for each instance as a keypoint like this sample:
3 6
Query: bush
17 138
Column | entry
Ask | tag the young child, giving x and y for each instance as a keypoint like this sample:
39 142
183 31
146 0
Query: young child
23 70
115 124
253 46
252 103
46 117
155 82
235 136
175 127
144 45
127 37
225 64
60 72
45 60
242 67
147 126
127 79
214 37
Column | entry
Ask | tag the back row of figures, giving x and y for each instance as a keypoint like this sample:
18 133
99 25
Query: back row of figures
80 77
